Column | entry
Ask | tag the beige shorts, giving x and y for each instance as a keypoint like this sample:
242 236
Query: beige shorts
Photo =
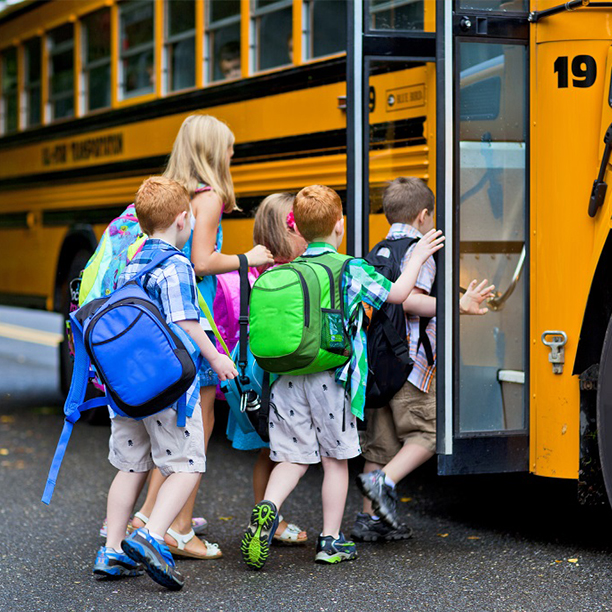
410 418
311 412
157 441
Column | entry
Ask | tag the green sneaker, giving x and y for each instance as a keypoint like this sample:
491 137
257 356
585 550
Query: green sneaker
255 545
335 550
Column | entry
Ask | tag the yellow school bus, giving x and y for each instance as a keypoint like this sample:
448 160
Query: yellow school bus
502 106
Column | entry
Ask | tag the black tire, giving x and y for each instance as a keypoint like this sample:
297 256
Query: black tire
604 411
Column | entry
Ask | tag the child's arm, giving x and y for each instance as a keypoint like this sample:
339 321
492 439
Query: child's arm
420 303
221 364
431 242
207 207
474 296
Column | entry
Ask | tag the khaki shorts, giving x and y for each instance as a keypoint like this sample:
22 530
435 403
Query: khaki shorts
140 446
410 418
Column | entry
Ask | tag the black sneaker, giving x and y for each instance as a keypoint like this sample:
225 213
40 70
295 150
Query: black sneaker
366 529
335 550
382 496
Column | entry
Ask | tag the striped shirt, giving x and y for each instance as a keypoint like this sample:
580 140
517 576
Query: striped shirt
422 373
172 288
360 283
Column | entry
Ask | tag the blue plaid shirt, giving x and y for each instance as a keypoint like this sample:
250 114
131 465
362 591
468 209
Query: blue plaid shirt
172 287
360 283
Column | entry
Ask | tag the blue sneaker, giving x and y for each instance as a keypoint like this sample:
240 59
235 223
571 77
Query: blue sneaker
142 547
335 550
112 565
255 545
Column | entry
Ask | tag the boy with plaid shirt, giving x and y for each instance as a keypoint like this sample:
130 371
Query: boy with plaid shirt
163 210
310 423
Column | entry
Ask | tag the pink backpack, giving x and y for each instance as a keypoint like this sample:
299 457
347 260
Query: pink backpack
227 309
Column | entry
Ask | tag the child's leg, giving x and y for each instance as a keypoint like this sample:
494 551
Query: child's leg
334 492
155 482
122 496
172 496
283 480
261 474
207 401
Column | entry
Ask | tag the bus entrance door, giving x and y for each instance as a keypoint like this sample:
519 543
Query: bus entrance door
483 208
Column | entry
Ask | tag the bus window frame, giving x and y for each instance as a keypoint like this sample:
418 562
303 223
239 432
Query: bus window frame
51 51
28 86
255 15
85 66
4 94
307 34
210 29
171 40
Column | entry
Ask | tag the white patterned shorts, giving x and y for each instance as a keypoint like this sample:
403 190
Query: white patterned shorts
139 446
311 412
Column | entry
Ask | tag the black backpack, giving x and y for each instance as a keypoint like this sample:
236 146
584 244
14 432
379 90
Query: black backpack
389 362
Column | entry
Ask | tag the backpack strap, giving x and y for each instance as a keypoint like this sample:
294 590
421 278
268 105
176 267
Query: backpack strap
243 319
73 407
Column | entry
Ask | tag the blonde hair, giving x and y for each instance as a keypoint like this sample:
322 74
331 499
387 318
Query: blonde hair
271 229
199 155
158 202
317 209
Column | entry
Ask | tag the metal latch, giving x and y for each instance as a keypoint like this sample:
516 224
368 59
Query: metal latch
557 352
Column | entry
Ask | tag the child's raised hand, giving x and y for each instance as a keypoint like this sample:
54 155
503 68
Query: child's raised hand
259 255
224 367
431 242
474 296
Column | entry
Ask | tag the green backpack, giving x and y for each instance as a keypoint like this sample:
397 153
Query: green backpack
297 316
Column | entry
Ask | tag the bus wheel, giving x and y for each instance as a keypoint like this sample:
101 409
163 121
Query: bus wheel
78 262
604 411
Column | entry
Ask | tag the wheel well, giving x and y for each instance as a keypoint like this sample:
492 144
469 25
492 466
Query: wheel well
79 237
597 313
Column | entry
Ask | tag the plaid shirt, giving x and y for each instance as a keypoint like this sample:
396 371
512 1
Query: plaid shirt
361 283
172 288
422 373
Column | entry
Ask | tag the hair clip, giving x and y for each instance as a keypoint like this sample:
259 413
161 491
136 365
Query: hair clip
290 221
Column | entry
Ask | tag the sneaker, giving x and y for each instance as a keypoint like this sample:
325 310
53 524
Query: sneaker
382 496
255 545
111 564
142 547
366 529
335 550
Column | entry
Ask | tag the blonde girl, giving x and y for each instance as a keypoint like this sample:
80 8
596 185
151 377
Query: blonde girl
200 161
274 228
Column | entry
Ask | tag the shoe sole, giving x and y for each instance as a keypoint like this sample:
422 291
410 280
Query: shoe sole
377 537
115 573
387 517
255 545
141 553
326 559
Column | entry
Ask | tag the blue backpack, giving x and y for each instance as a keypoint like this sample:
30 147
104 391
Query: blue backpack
143 362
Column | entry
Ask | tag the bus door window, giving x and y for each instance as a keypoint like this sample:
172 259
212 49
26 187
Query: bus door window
137 48
10 111
223 40
179 50
325 29
97 60
61 72
272 33
492 217
32 82
397 14
508 6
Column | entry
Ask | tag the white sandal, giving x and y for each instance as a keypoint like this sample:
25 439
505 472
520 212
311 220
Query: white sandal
290 534
198 524
212 549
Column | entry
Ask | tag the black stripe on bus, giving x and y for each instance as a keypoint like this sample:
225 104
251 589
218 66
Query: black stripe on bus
23 300
383 135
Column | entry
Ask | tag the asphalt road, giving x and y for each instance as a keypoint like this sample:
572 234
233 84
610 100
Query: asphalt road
495 543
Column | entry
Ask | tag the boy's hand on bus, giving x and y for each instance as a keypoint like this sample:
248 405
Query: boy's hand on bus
224 367
471 300
259 255
431 242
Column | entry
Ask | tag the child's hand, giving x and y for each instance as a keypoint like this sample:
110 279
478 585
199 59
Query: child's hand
259 256
474 296
431 242
224 367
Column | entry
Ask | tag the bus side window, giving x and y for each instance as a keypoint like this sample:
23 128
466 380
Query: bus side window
325 27
397 14
137 48
179 56
61 72
9 106
223 40
96 60
272 28
32 82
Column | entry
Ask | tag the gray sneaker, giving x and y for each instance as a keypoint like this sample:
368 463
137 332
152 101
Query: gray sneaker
366 529
382 496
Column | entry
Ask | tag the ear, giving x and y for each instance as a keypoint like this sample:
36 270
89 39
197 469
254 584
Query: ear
339 227
422 216
181 220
